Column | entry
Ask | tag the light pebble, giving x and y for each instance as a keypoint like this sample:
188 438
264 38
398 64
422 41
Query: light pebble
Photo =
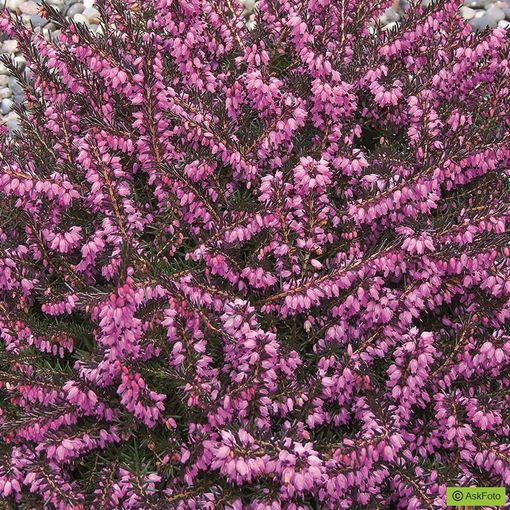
13 4
80 18
29 8
10 46
5 92
467 13
10 116
92 14
248 4
6 105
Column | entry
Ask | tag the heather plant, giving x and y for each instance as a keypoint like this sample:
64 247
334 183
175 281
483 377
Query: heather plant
255 257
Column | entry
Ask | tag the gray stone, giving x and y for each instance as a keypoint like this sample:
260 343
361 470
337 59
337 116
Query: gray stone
5 92
389 16
75 9
504 24
495 13
482 23
13 125
3 69
5 106
18 99
38 21
467 12
14 86
4 80
477 4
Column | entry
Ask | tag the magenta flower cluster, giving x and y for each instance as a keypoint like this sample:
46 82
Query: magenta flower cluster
255 257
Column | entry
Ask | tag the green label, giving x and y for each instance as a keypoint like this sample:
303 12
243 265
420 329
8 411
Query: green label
475 496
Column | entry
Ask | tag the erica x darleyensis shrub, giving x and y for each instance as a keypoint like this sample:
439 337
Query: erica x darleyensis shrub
260 267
